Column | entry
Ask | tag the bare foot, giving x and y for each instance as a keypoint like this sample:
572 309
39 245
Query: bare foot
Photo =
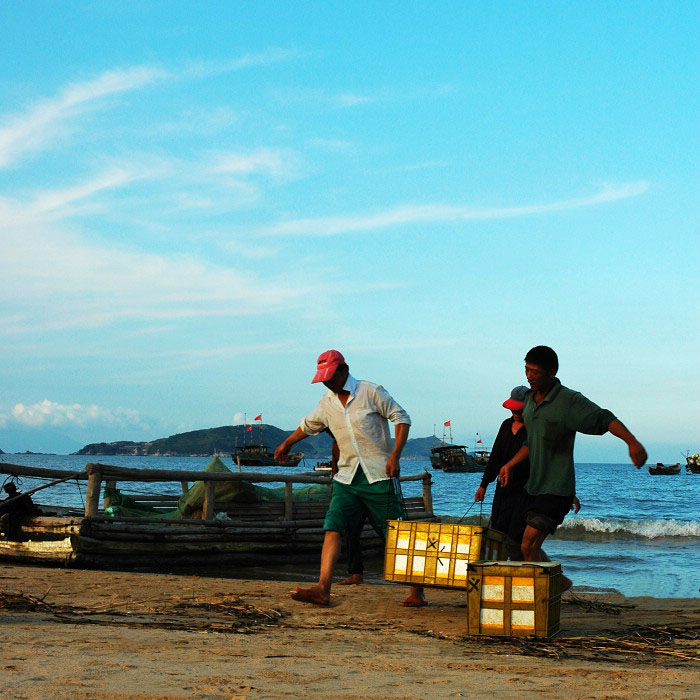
311 595
415 600
352 580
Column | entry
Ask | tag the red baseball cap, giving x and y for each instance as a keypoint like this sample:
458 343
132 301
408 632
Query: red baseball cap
326 365
517 399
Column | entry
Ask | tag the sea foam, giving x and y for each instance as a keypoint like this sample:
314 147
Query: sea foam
575 528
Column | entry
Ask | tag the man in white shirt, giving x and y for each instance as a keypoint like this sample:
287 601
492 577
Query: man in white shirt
357 414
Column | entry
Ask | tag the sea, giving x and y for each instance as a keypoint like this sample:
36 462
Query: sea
636 533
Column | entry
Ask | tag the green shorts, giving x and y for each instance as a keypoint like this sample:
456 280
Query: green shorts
351 502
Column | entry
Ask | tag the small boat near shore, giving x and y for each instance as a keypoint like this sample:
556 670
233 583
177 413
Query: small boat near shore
260 456
665 468
237 518
453 458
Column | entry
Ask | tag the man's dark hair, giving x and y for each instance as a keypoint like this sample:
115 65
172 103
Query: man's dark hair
543 357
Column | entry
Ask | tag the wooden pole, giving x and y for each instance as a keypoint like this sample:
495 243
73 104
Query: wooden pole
111 484
428 494
92 497
288 501
208 505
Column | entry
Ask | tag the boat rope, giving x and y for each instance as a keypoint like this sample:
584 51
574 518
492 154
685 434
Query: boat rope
77 483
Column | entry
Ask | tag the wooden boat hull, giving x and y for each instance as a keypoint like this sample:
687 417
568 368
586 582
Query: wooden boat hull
243 533
261 460
667 469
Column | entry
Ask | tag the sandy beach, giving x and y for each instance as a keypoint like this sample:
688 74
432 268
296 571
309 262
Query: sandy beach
94 634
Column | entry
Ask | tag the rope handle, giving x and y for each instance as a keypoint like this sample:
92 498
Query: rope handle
396 493
481 511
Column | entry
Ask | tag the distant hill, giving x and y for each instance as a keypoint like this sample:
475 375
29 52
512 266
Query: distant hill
223 440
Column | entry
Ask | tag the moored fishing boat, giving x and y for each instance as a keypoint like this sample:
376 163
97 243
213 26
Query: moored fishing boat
665 468
450 457
225 516
480 453
454 458
260 456
692 463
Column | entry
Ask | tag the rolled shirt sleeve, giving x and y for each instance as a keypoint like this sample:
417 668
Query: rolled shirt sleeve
361 428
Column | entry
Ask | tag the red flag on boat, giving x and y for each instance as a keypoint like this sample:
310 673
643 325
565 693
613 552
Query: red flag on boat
249 428
479 442
258 417
447 424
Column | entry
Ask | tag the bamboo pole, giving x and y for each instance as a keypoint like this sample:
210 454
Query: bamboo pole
40 472
38 488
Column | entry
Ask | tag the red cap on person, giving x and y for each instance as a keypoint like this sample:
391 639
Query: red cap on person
517 399
326 365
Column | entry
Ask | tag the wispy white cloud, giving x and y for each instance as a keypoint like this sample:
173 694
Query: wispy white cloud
48 119
43 122
276 163
56 278
267 57
435 213
49 413
349 100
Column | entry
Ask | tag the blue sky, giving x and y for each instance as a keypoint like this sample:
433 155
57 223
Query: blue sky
198 198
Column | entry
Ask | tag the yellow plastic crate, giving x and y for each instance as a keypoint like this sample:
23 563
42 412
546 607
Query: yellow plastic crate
514 599
437 554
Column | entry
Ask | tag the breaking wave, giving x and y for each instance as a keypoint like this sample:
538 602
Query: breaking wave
586 528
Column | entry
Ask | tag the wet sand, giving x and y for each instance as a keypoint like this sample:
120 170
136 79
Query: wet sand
93 634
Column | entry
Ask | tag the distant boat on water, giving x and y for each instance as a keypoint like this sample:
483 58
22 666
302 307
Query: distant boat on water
692 463
665 468
480 453
450 457
258 455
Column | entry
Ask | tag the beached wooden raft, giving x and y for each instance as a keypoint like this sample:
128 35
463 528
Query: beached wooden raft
243 533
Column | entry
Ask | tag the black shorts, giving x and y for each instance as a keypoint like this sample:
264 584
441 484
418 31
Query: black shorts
544 512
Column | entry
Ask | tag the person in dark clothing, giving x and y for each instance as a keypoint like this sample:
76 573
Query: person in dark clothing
14 510
509 440
507 499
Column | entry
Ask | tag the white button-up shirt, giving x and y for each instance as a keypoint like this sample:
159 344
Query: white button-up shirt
360 428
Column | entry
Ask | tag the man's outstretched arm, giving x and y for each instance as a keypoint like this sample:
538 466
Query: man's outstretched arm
283 449
638 454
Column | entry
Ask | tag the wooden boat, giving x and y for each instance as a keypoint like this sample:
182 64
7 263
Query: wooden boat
481 456
450 457
260 456
665 468
241 531
454 458
480 453
692 463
